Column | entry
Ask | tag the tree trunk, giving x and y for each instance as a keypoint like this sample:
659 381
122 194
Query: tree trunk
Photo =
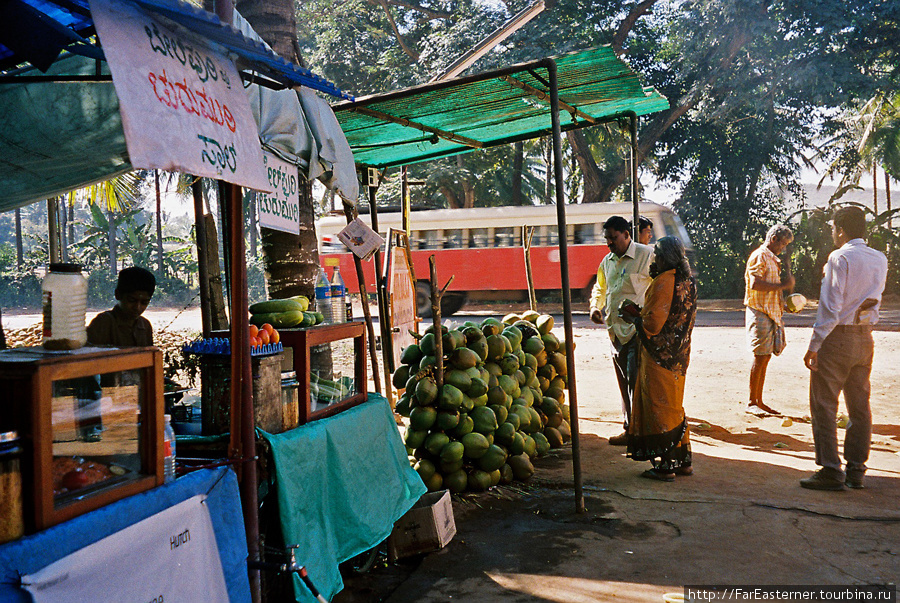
20 252
450 196
71 222
875 187
63 223
292 261
592 175
887 197
52 228
160 273
254 228
111 235
518 161
468 188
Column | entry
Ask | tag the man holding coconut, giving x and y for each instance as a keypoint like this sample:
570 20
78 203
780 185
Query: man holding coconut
765 307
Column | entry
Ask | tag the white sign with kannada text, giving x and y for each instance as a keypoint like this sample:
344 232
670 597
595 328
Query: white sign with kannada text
183 105
280 209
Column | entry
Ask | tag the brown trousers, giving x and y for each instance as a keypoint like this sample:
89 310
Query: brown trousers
845 363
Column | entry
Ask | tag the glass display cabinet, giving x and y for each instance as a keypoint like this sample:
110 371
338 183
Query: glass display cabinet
91 423
330 364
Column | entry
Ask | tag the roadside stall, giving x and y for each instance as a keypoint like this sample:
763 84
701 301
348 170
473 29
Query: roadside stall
174 101
500 107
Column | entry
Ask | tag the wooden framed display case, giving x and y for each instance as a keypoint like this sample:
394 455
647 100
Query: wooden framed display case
325 357
91 422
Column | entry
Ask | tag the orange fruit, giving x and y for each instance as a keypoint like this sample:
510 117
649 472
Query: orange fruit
254 330
275 337
254 342
267 328
263 337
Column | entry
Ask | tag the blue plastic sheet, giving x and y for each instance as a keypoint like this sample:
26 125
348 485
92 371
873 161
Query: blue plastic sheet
342 483
31 553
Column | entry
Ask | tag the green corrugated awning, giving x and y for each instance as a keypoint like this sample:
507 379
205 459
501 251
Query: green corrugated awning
493 108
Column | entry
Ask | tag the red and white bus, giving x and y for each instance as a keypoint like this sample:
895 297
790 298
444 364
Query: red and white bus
482 248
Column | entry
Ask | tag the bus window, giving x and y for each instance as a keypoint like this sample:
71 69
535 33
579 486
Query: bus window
584 234
675 228
453 239
429 239
505 236
478 237
551 235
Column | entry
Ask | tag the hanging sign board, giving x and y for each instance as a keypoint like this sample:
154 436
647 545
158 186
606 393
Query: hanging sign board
182 102
280 209
360 239
401 292
170 556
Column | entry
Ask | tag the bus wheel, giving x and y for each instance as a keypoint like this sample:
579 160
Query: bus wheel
450 303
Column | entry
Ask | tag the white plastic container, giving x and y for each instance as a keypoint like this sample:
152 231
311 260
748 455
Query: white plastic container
168 450
64 303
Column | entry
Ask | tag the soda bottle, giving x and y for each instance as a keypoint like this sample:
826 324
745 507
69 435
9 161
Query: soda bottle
323 296
338 297
168 450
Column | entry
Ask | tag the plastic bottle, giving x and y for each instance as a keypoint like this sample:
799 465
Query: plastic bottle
168 450
64 292
323 296
338 297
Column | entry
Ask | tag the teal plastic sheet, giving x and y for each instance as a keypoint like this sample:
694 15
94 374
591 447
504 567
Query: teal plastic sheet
342 482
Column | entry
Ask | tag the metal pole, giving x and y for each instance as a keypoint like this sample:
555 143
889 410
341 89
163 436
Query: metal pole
383 321
370 328
566 291
636 226
242 381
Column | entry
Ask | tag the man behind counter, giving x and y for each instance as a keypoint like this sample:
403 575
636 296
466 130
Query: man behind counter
123 326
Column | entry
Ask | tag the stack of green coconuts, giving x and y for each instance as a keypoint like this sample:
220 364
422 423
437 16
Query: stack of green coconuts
501 404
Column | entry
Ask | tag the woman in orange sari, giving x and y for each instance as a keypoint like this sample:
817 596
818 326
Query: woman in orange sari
658 431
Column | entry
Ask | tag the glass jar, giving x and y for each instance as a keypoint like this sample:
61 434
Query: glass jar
65 304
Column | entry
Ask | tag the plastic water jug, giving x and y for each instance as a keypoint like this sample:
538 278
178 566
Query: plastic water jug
323 296
64 303
338 297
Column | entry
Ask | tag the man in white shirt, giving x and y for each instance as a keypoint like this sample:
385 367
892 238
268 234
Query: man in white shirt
623 274
841 350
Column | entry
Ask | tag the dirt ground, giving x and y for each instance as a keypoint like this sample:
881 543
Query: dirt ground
741 519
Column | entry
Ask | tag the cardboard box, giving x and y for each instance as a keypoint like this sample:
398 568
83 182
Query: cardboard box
427 527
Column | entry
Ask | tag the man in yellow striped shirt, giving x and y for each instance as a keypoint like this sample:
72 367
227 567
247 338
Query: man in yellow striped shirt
765 306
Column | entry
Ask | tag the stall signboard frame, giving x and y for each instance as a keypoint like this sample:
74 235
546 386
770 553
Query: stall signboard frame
183 105
400 282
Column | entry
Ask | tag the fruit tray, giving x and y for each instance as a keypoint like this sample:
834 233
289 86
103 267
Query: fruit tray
217 346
